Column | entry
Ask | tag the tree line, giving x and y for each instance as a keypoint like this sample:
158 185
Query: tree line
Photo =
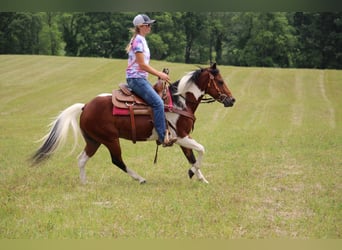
274 39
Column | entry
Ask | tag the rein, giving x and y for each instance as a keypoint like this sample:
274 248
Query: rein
208 100
182 113
203 100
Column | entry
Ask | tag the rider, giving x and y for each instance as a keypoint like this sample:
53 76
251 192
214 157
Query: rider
137 73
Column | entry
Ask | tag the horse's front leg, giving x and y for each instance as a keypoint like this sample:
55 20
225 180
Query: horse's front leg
188 145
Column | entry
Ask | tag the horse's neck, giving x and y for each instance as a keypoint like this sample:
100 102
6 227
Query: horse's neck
191 102
187 101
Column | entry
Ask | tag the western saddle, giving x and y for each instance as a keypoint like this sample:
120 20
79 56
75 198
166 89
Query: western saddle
128 103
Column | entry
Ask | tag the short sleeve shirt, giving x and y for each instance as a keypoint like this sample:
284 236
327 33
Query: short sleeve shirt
139 45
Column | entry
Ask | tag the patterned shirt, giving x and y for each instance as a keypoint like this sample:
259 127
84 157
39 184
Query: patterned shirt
138 45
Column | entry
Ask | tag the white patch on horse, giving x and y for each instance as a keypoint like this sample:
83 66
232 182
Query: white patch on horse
172 118
82 160
135 176
187 85
183 83
195 91
188 142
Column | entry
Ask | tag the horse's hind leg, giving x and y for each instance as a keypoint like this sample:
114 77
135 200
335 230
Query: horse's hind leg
82 160
89 150
115 152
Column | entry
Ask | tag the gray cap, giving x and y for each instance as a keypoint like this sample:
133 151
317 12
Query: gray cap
142 19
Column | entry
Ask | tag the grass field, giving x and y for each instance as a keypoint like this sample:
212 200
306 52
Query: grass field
273 160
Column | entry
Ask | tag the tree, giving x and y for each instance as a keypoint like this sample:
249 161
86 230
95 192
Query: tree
239 32
219 28
174 37
50 37
30 33
263 39
96 34
276 39
6 38
320 39
193 25
20 33
167 40
69 28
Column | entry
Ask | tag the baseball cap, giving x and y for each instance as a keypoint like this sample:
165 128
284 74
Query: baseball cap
142 19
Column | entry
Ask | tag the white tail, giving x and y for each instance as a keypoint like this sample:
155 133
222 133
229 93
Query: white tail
58 133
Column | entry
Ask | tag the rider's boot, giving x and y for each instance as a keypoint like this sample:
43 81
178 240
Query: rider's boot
168 140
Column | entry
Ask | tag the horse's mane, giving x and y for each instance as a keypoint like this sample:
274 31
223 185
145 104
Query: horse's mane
186 81
181 86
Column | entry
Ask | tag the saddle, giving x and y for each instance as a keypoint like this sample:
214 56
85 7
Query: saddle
125 100
127 103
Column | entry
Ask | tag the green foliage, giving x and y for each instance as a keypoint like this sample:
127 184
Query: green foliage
320 39
158 47
98 35
20 33
50 37
268 39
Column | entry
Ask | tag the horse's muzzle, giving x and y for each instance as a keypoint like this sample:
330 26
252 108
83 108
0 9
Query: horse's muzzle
228 101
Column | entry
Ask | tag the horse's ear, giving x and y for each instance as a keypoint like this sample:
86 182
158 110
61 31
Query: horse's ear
213 66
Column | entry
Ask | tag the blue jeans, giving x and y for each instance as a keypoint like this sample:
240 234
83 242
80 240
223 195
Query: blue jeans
144 89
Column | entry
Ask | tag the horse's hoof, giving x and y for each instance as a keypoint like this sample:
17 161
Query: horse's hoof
204 181
83 181
143 182
191 173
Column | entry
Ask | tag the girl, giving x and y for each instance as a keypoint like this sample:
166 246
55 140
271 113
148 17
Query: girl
137 73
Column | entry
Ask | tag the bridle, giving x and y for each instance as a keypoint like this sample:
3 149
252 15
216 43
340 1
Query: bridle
221 98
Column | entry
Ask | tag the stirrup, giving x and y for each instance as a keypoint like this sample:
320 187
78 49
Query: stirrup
169 142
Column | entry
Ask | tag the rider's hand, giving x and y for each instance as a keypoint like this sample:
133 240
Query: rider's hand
163 76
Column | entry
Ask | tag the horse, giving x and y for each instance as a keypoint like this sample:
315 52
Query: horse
99 126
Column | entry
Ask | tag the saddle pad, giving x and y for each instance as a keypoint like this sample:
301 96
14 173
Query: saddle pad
125 112
120 111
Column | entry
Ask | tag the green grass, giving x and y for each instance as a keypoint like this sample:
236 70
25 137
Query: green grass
273 160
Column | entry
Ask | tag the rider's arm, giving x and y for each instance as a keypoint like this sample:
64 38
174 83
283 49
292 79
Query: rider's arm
140 60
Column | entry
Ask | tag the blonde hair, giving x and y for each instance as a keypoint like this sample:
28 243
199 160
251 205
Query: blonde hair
135 32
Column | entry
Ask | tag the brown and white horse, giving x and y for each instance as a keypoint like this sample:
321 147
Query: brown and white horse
99 126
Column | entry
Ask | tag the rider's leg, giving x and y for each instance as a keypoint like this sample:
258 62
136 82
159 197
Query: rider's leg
145 90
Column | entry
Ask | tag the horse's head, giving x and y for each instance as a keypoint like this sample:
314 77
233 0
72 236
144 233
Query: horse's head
214 85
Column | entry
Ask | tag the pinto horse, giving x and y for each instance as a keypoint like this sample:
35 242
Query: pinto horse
99 126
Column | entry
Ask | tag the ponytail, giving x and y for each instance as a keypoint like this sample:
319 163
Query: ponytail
135 33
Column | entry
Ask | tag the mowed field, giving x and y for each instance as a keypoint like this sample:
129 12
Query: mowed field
274 160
